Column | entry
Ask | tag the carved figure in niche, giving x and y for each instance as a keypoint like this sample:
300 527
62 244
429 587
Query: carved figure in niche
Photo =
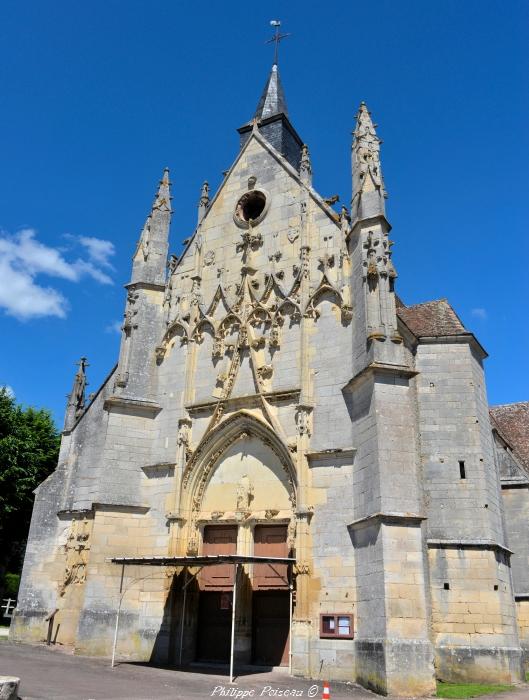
271 513
209 258
218 347
76 549
244 493
129 322
303 415
275 335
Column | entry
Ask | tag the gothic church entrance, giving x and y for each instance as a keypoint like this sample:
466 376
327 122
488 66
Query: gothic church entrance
263 601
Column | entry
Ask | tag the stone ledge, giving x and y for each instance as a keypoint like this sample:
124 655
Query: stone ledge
145 285
468 544
520 482
388 518
521 596
468 338
331 452
382 368
117 403
237 401
159 470
89 512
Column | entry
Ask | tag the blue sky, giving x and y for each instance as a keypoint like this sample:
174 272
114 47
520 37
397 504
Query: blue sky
98 97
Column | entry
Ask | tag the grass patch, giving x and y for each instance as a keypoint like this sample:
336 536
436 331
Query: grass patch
467 690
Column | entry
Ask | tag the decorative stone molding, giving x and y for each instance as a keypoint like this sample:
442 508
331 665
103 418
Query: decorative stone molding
123 404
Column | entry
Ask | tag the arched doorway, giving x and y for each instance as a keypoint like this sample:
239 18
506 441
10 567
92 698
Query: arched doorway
242 500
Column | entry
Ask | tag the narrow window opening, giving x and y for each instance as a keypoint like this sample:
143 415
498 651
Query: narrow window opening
495 586
446 586
462 472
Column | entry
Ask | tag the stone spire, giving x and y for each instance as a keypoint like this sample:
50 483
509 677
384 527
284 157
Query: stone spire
149 261
369 192
76 399
203 202
273 100
271 118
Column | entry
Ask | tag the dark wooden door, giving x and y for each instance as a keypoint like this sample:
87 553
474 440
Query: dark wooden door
270 627
270 541
218 539
214 626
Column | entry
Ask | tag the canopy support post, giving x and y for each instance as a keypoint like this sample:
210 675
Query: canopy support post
117 617
291 592
183 618
233 611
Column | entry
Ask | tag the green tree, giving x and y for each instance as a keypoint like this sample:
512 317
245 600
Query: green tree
29 448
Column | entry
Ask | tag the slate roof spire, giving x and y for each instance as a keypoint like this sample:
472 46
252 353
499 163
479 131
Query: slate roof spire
273 100
271 118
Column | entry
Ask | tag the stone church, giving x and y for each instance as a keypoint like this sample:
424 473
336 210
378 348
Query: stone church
273 397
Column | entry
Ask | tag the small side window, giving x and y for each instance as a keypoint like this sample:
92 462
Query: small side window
336 626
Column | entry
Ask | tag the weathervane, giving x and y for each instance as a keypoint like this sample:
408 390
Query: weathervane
276 38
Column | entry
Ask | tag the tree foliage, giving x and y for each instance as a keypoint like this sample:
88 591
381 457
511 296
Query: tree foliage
29 448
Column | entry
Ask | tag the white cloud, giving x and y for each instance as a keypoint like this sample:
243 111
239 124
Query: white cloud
23 258
8 390
99 251
480 313
114 327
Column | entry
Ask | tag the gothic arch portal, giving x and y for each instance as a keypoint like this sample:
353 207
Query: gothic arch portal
241 471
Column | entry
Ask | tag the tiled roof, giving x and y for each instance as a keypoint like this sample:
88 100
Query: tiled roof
512 419
433 318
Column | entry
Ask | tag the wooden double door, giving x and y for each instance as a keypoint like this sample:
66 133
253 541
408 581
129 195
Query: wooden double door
270 599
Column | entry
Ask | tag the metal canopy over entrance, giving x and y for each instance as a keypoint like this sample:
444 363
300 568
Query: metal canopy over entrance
198 562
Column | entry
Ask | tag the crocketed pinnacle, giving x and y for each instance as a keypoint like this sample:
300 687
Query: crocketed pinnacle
273 99
368 184
162 200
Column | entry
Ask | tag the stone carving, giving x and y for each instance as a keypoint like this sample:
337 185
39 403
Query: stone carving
244 493
305 169
304 257
302 568
303 420
203 202
275 335
209 258
250 239
265 371
271 513
326 261
76 549
291 534
76 399
292 234
347 307
146 239
217 514
131 312
184 432
218 346
192 546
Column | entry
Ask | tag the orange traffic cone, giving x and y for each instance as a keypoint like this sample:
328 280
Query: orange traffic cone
326 691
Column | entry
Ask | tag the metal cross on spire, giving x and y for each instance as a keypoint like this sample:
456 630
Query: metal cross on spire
276 38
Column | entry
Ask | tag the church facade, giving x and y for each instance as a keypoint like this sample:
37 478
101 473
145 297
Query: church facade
274 397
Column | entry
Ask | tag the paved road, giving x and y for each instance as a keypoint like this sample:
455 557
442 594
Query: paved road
51 674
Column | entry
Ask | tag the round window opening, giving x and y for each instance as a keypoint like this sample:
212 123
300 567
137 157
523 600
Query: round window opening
251 207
